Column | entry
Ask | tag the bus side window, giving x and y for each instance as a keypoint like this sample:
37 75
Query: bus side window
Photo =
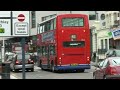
52 50
54 24
41 29
43 50
51 25
46 53
39 50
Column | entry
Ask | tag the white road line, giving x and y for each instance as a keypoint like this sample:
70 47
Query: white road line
13 76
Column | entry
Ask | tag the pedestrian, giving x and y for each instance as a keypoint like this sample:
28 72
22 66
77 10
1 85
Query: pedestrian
94 56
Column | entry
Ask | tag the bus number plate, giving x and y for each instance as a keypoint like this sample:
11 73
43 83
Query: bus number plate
74 64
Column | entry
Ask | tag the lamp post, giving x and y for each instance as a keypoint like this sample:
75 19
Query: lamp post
119 18
3 49
95 42
0 53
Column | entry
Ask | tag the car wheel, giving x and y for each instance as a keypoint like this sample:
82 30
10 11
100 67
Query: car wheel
32 70
15 70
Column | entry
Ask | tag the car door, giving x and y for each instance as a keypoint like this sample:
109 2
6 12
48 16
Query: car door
103 69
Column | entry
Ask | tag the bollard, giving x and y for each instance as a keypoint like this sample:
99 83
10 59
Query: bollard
5 70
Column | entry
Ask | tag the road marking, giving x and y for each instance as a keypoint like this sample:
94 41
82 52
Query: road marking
12 76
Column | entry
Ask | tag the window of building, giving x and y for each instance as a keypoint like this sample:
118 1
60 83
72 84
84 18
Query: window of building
106 44
92 17
118 14
102 16
48 17
33 16
101 44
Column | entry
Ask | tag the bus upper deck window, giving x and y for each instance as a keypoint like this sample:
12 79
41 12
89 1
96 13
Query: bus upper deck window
72 22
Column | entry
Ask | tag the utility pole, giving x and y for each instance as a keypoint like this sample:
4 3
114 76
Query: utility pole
119 18
3 49
96 39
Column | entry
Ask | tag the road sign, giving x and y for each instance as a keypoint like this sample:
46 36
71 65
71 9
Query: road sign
21 17
5 29
21 28
21 23
14 23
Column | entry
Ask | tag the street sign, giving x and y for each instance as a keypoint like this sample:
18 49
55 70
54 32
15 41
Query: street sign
21 28
5 27
116 34
21 17
14 23
21 23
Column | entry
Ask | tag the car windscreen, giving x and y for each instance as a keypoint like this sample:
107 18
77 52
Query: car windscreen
115 61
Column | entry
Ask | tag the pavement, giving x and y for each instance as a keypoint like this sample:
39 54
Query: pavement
11 77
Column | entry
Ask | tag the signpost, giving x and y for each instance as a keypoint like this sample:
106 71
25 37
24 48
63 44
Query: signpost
15 24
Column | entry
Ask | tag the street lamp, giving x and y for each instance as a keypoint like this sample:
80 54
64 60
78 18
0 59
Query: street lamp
119 18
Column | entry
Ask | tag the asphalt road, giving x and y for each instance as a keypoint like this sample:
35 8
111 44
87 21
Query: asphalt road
40 74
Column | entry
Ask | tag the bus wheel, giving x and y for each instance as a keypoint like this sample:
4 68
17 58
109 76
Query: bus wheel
81 70
41 66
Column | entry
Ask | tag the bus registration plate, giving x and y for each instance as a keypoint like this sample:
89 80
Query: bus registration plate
74 64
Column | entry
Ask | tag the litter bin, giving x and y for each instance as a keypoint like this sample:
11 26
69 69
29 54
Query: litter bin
5 70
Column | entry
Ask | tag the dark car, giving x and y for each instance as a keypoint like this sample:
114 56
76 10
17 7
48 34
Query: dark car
108 69
113 52
16 63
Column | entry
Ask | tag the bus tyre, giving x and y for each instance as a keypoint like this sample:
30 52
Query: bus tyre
81 70
42 67
32 69
40 64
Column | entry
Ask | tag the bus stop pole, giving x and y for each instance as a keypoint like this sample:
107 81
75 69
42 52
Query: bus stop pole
23 57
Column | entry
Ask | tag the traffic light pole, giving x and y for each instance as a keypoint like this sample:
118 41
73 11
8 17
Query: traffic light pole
23 57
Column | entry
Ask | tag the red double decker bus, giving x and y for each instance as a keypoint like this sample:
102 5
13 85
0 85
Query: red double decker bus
63 43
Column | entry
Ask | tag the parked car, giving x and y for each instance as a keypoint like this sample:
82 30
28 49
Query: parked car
16 63
108 69
113 52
